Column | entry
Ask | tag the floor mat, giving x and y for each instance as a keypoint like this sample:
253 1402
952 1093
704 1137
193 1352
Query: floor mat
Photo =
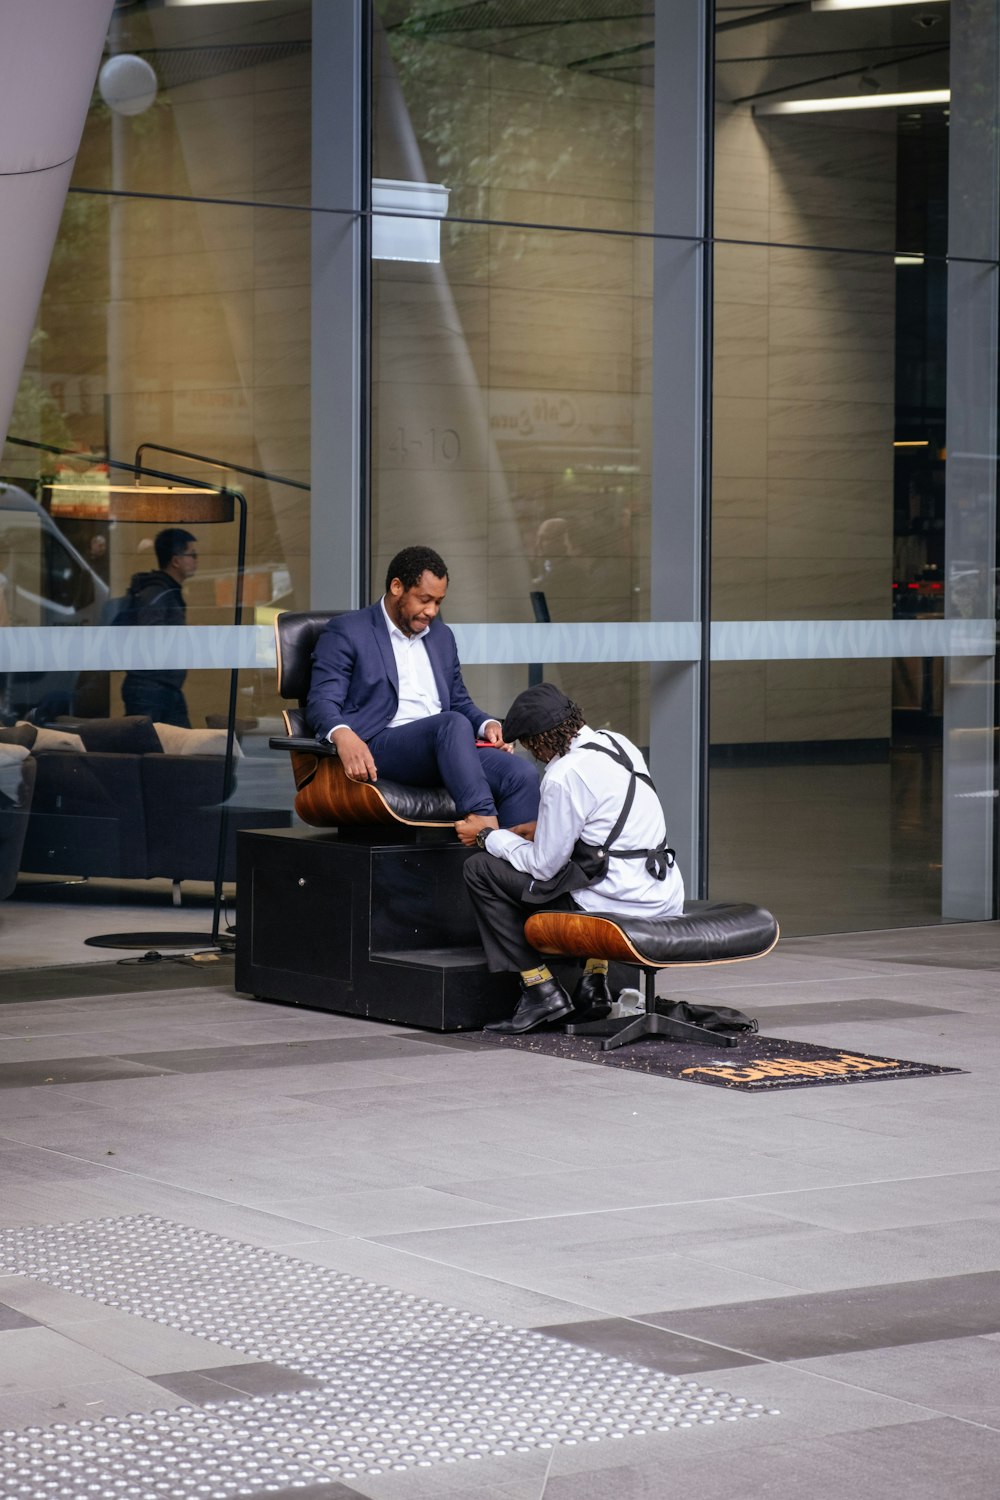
757 1064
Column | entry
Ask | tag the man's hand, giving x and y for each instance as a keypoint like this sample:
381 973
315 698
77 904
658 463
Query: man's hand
526 830
492 733
355 756
467 828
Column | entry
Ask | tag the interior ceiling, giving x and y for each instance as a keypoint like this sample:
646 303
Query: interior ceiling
760 50
175 66
188 45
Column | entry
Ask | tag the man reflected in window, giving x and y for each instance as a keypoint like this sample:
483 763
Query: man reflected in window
156 599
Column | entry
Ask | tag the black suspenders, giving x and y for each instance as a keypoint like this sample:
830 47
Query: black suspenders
659 860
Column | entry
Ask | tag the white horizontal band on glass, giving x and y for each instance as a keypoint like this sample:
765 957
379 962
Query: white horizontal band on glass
615 641
117 648
732 640
104 648
849 640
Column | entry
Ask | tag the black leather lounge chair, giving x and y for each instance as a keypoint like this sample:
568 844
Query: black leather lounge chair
325 796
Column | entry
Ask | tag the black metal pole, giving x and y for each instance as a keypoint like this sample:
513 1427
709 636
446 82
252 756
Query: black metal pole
218 463
540 608
227 774
707 355
365 505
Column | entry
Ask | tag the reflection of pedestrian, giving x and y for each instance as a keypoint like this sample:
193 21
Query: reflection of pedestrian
583 566
561 571
97 554
156 599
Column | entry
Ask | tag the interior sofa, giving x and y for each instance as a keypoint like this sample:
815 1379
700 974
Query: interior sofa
124 798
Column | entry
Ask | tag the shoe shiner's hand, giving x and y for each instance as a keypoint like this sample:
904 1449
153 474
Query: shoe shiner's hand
468 827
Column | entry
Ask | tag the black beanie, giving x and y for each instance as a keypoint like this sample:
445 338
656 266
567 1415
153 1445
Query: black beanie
535 710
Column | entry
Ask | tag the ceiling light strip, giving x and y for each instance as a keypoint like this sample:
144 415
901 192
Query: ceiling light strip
861 4
853 101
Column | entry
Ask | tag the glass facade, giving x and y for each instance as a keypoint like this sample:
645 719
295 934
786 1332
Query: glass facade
510 392
695 392
841 365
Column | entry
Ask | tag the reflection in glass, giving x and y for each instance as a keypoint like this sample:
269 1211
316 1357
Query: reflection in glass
510 382
120 792
829 461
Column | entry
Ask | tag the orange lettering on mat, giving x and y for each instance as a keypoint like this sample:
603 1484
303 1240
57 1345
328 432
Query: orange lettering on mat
793 1067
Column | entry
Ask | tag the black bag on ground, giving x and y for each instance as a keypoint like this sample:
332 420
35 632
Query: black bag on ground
712 1017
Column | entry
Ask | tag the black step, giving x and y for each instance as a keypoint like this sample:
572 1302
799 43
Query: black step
432 958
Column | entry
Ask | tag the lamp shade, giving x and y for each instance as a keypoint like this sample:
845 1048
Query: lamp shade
164 505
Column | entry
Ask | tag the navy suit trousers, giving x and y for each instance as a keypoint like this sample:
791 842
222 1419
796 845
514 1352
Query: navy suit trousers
441 750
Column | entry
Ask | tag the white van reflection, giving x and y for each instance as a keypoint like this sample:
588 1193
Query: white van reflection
43 581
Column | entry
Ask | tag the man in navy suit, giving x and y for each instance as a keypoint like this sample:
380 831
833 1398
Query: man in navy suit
387 690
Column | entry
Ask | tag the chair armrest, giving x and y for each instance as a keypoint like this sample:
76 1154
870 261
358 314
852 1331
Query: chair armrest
301 742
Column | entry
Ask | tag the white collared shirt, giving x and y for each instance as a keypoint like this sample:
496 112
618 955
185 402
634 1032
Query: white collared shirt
418 693
582 797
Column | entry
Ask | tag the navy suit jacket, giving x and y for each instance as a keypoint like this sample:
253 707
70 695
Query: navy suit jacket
355 682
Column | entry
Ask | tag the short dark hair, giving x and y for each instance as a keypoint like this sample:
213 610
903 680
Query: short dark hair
410 565
168 543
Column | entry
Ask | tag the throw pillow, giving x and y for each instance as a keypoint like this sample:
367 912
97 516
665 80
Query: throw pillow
177 741
57 739
12 758
132 734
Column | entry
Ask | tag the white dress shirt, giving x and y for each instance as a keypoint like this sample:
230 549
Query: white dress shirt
418 694
583 793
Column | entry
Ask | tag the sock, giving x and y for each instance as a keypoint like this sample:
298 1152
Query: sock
535 976
596 966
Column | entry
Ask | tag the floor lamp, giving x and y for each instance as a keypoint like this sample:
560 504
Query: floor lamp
169 505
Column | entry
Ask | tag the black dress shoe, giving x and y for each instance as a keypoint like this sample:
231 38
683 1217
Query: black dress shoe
539 1003
591 999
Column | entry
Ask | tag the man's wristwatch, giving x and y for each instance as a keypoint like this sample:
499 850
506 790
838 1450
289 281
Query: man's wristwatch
482 836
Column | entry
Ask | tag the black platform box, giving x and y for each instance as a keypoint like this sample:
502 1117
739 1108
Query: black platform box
367 922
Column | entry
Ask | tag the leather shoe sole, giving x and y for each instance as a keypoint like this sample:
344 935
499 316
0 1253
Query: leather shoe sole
579 1015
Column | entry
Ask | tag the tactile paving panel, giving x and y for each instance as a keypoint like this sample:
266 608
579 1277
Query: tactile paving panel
403 1382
